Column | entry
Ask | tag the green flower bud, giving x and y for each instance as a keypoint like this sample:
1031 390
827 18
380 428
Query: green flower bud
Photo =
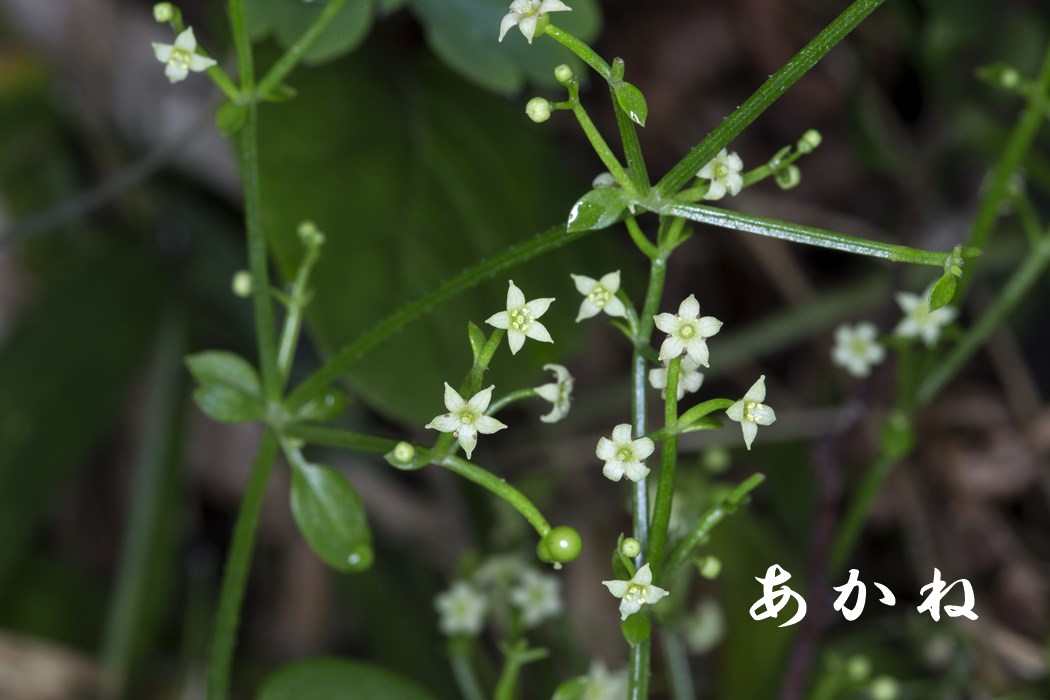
538 109
404 452
562 545
563 74
788 177
809 141
710 567
630 548
310 235
242 284
163 12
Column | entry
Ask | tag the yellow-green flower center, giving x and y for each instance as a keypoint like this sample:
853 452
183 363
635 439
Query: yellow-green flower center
687 331
625 454
180 58
751 410
521 319
635 593
721 171
599 296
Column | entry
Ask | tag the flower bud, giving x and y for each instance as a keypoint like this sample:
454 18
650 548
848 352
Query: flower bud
809 141
710 567
630 547
788 177
563 74
604 180
404 452
538 109
242 284
310 235
163 12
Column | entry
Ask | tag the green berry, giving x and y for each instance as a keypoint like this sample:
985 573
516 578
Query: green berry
563 544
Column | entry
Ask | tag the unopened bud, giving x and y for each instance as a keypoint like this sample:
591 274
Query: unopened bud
630 547
710 567
404 452
563 74
163 12
242 284
310 235
538 109
809 141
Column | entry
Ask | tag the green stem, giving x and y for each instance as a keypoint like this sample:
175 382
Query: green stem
506 400
850 528
293 321
463 671
297 51
632 148
702 409
601 148
668 462
703 527
238 562
343 439
805 234
507 687
765 96
640 239
585 52
679 673
515 498
343 360
481 365
156 470
223 82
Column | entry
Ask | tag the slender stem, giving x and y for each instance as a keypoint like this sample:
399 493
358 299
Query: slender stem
344 439
223 82
156 470
293 321
632 148
463 672
668 462
295 53
506 400
507 686
766 95
639 238
601 148
850 528
677 660
703 527
238 562
481 365
551 239
585 52
499 487
804 234
702 409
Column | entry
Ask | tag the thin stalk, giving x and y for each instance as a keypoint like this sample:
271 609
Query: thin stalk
551 239
585 52
343 439
632 148
293 321
238 562
701 410
601 148
463 672
796 233
640 239
766 95
481 365
506 400
515 498
507 686
850 528
295 53
668 462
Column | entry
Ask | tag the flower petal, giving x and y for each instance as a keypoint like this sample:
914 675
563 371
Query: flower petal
617 588
186 40
584 285
500 320
635 470
666 322
200 63
538 331
553 6
515 339
643 577
549 392
697 349
468 439
622 434
453 401
176 72
528 26
479 402
716 190
588 309
611 281
757 392
515 297
671 348
445 423
538 307
764 414
628 608
654 594
162 51
658 378
605 450
613 470
615 307
750 430
643 447
736 411
734 162
709 326
486 425
508 22
689 308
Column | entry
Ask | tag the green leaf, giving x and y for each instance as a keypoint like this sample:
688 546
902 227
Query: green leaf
224 369
631 101
477 339
597 209
571 689
324 408
228 405
231 117
331 517
338 679
465 35
942 291
286 20
636 628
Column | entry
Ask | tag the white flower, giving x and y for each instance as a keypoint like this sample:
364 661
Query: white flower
919 321
559 393
705 627
465 419
724 173
689 377
537 596
500 570
687 332
635 593
605 685
750 412
182 57
599 295
461 609
857 348
519 320
622 455
526 13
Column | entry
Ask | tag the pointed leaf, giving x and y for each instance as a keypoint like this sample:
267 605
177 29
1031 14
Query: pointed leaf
331 518
597 209
571 690
228 405
636 628
338 679
942 292
231 117
224 369
631 101
477 339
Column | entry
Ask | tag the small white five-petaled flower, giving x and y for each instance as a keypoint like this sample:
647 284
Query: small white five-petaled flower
603 684
519 320
919 321
559 393
465 419
526 14
461 609
599 295
689 377
750 412
624 455
687 332
635 593
181 57
857 348
723 172
537 596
